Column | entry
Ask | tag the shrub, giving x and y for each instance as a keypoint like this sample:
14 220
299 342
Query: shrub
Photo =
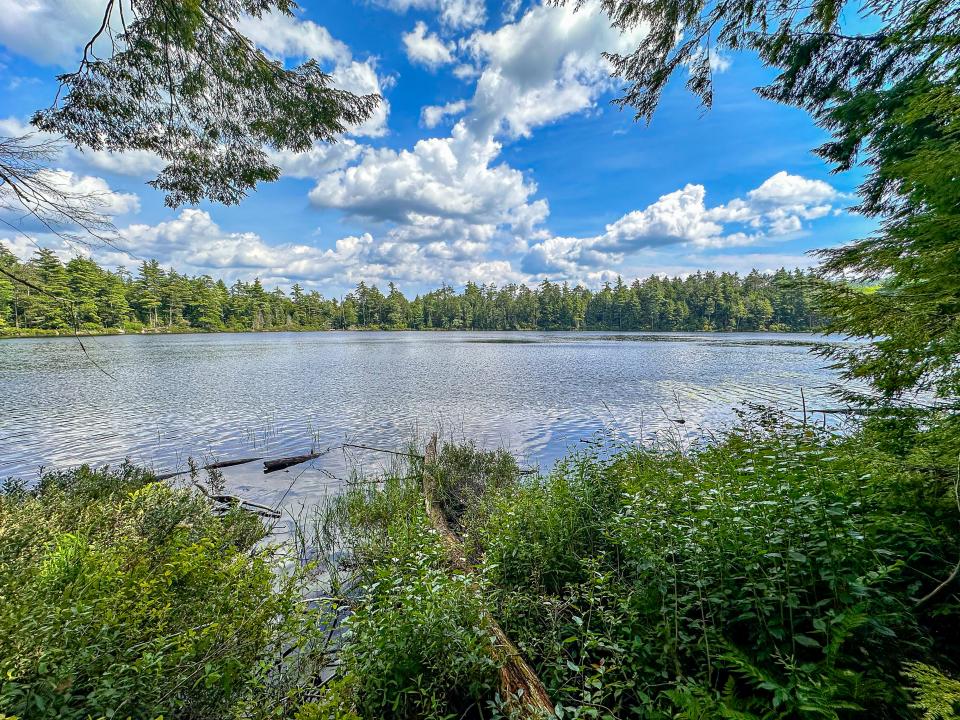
415 643
772 573
123 597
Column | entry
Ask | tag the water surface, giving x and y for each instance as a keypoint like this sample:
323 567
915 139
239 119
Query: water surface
236 395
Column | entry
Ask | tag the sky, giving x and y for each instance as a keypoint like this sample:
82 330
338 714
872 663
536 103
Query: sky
495 156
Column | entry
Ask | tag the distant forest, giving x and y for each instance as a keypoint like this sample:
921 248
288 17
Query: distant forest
80 294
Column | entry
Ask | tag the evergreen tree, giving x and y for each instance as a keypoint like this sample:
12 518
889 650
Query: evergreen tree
54 308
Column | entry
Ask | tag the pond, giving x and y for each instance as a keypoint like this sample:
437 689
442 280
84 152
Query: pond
163 398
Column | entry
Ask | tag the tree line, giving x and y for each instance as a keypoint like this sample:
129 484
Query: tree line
82 295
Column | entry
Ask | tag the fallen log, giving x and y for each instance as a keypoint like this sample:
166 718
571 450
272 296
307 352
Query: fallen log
210 466
519 684
270 466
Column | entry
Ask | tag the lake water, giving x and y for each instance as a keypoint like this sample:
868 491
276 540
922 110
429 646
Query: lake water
228 396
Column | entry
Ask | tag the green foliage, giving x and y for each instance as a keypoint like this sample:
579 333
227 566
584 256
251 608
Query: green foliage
120 596
415 644
156 299
938 696
179 79
914 154
772 574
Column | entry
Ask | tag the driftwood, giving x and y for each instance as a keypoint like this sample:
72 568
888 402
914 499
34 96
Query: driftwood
242 503
518 682
270 466
211 466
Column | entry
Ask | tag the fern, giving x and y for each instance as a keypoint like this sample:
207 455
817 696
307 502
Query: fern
938 696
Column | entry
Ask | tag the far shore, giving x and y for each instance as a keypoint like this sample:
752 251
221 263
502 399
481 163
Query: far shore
41 334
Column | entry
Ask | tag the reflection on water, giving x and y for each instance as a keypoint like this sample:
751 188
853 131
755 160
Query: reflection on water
224 396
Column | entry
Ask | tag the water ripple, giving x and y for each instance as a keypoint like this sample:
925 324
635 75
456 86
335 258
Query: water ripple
224 396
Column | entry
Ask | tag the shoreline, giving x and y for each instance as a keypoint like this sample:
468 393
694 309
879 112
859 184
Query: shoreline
116 332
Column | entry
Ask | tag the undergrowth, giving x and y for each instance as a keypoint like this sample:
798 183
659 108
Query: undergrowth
123 597
779 572
774 573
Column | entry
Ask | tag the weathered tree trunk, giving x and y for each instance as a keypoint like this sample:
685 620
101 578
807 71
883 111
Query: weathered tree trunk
211 466
270 466
519 684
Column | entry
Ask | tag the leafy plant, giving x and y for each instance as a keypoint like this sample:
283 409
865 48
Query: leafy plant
120 596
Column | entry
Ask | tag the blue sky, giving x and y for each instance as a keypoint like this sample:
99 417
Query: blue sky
495 157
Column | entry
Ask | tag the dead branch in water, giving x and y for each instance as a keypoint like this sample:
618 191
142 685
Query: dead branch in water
211 466
242 503
383 450
270 466
519 683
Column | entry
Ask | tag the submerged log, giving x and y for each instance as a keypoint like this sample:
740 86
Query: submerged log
270 466
211 466
519 684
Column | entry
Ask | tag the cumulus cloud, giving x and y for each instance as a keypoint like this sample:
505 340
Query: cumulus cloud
194 243
86 191
453 178
286 36
510 10
49 32
455 14
433 115
291 37
427 48
545 66
318 160
361 78
134 163
779 206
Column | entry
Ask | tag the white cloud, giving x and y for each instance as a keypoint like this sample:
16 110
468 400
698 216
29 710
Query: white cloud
465 72
108 201
433 115
547 65
427 48
786 189
510 9
777 207
286 36
455 14
361 78
719 63
133 163
85 191
192 242
452 178
290 37
318 160
49 32
780 204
